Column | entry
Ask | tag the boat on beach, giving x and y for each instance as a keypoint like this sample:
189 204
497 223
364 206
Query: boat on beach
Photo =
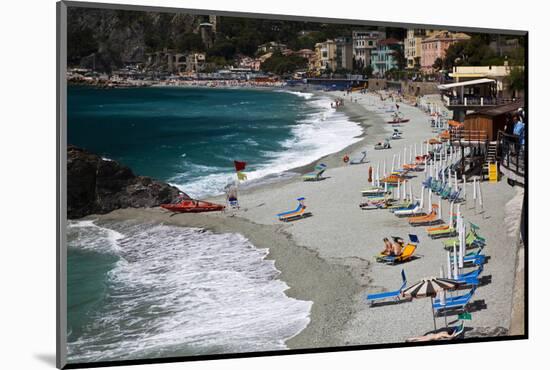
193 206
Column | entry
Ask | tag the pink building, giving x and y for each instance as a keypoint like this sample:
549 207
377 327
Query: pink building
436 46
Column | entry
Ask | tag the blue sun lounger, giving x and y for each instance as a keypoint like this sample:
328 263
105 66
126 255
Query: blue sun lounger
454 303
395 295
295 214
470 278
317 174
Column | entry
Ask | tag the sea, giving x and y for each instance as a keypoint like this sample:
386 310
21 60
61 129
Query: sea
139 291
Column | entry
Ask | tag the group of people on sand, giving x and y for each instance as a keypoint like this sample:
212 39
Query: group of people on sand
338 102
394 248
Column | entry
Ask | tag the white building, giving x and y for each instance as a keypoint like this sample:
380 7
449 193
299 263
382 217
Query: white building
363 43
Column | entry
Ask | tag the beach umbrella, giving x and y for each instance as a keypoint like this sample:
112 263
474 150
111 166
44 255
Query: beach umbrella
410 154
455 262
429 200
384 172
464 186
456 182
449 270
404 155
398 190
385 187
451 214
430 287
411 198
415 150
393 163
422 198
399 160
439 209
480 197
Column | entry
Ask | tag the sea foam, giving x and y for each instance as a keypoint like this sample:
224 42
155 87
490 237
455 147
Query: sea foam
321 132
185 291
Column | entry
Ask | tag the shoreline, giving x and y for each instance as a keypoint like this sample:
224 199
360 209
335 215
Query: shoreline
326 258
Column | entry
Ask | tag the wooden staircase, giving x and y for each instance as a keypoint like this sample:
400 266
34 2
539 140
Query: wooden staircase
490 156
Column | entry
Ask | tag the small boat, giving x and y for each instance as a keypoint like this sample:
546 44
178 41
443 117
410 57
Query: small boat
398 120
193 206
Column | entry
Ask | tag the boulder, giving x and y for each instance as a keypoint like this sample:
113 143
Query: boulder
97 186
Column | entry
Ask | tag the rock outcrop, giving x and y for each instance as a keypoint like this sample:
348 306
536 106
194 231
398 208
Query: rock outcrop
97 185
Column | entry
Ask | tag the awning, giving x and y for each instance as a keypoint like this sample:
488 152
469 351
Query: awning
466 83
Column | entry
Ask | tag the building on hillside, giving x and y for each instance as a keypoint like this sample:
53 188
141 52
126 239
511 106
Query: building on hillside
498 73
363 43
504 47
207 34
413 45
384 58
326 56
195 62
253 64
344 53
270 47
436 45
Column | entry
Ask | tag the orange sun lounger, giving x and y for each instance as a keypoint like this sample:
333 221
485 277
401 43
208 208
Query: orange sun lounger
427 219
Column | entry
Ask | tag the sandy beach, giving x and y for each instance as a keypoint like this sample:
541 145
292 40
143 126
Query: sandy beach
328 258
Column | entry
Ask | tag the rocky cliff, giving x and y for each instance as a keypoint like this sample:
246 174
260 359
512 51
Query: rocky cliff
106 39
96 185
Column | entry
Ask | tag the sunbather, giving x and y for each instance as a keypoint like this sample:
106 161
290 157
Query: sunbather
448 333
388 248
397 247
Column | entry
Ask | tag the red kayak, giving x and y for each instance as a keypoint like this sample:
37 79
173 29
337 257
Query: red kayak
193 206
399 121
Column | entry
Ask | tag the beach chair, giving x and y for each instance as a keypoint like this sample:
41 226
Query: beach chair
472 240
393 295
406 254
428 182
474 258
441 231
457 331
470 278
295 214
362 159
317 174
455 196
429 219
454 303
385 145
402 206
410 211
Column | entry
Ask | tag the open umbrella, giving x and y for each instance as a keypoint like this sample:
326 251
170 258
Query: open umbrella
430 287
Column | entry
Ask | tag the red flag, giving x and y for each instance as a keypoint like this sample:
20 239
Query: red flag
239 166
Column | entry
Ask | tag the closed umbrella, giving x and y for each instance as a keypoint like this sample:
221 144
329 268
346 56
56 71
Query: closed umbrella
430 287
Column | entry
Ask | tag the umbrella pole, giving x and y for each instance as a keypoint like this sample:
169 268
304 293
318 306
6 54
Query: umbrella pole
433 313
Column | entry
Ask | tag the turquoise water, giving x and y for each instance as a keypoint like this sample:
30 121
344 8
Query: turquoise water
143 290
190 136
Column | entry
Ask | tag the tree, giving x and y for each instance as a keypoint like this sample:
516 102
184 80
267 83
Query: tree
399 57
516 79
222 48
281 65
438 64
189 42
368 70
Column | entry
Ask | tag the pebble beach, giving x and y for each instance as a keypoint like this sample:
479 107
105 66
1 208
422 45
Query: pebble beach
328 258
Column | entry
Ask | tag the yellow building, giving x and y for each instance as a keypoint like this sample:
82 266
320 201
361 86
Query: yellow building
413 45
325 56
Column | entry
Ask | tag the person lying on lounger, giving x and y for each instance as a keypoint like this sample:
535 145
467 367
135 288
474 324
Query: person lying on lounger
397 246
449 333
388 248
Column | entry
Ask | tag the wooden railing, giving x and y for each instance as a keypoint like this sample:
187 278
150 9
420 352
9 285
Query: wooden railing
511 153
459 134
